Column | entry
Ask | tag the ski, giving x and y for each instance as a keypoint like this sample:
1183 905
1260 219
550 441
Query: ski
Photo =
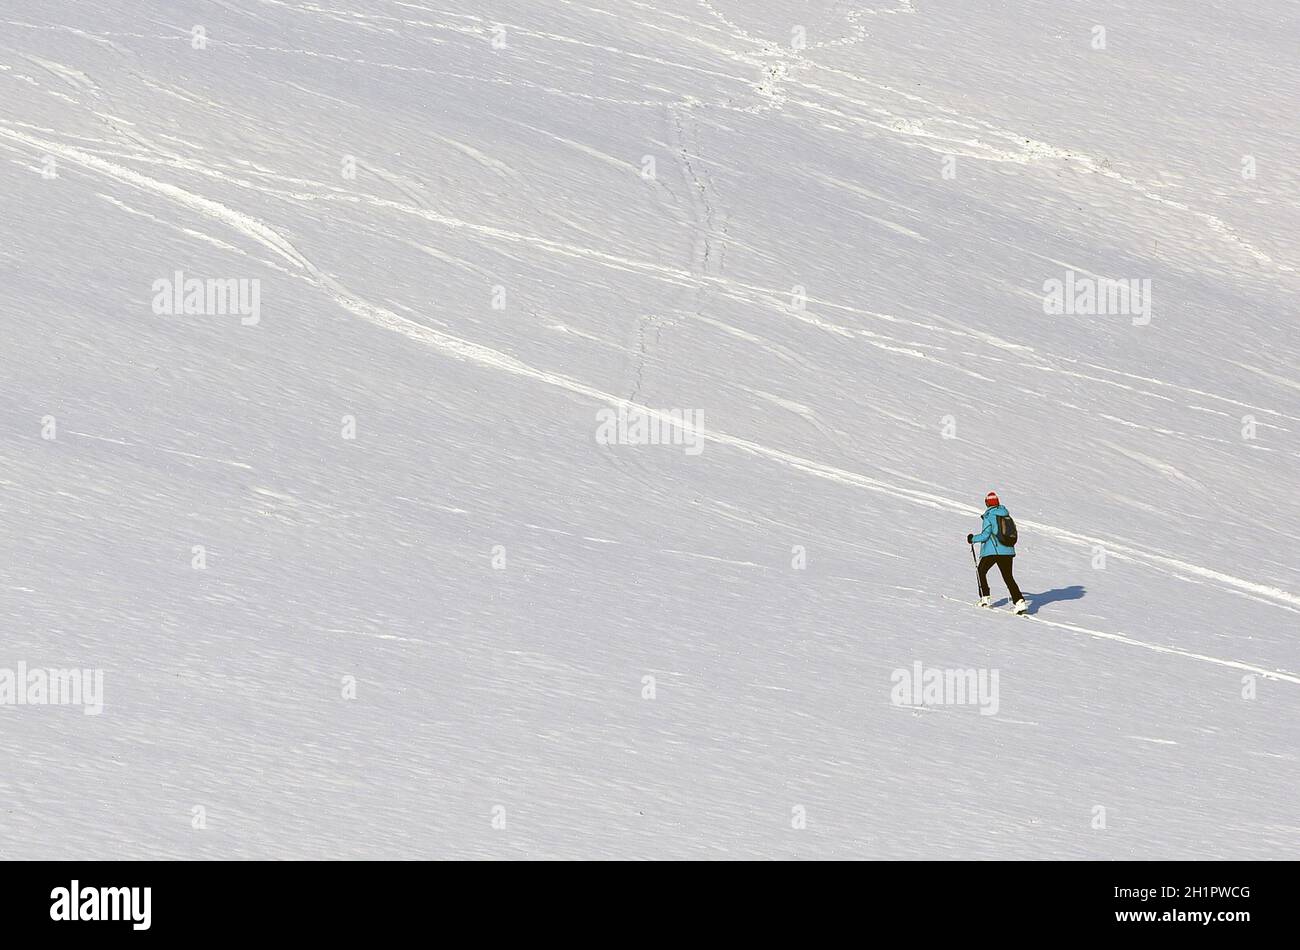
991 610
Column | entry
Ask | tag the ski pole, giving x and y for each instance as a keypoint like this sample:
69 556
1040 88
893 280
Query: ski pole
978 592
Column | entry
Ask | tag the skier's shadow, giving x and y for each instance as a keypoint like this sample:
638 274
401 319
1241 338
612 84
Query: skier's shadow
1035 601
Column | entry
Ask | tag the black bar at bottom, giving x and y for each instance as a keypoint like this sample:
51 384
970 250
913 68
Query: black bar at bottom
333 901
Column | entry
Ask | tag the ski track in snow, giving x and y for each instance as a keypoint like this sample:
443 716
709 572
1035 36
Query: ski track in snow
777 62
748 293
1282 675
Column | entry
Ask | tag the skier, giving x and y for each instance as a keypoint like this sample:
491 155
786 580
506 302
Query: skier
999 550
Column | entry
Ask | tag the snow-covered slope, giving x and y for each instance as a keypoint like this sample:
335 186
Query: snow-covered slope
825 228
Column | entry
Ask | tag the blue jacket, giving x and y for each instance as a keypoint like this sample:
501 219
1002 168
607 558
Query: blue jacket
988 535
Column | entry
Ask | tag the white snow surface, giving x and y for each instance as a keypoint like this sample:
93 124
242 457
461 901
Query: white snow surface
497 582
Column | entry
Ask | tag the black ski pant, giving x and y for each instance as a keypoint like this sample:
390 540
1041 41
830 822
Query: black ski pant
1003 561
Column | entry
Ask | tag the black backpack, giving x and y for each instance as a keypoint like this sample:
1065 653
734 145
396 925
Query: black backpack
1006 533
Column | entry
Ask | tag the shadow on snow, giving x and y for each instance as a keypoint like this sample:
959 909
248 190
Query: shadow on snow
1036 601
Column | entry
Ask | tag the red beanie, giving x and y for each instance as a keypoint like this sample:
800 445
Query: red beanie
991 500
